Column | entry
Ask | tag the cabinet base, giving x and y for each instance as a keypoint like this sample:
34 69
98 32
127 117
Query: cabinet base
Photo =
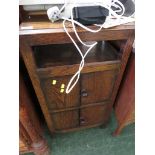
81 128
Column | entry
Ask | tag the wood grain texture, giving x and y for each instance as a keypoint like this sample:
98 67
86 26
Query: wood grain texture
25 140
62 38
43 34
97 86
125 102
26 114
66 120
27 55
58 26
80 107
125 55
95 115
66 54
57 100
72 69
30 130
77 128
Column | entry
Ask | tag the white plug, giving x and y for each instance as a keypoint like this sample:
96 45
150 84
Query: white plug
53 13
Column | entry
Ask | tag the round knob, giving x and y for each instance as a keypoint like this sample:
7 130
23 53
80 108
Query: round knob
82 120
84 93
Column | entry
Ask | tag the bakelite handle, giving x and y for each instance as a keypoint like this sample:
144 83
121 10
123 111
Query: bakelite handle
82 120
84 93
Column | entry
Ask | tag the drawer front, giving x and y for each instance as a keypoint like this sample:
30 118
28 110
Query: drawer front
60 100
95 114
97 87
66 120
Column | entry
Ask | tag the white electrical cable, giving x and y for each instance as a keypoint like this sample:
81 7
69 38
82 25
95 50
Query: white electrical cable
111 11
73 24
72 20
63 6
76 76
88 29
115 3
119 9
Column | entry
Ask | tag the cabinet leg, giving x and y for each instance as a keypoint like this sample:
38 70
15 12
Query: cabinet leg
41 148
118 130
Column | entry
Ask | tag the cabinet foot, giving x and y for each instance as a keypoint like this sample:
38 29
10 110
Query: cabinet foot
117 131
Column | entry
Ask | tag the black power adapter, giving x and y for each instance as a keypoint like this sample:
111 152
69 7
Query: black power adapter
88 15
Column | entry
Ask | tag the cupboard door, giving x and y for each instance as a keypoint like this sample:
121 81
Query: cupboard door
60 100
66 119
95 114
97 86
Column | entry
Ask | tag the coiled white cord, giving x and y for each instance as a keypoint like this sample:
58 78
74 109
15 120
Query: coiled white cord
76 76
115 3
112 14
73 81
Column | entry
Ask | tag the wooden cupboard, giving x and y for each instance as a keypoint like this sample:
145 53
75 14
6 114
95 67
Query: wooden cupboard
89 102
51 60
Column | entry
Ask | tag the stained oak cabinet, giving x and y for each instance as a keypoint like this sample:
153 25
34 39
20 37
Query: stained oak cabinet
50 56
89 103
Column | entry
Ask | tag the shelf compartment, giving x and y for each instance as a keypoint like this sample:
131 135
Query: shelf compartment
66 54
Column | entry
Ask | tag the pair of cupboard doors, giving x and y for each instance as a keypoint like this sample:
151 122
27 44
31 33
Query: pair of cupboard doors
88 104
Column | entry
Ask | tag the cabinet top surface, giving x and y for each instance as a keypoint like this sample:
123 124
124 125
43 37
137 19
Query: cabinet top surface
30 28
